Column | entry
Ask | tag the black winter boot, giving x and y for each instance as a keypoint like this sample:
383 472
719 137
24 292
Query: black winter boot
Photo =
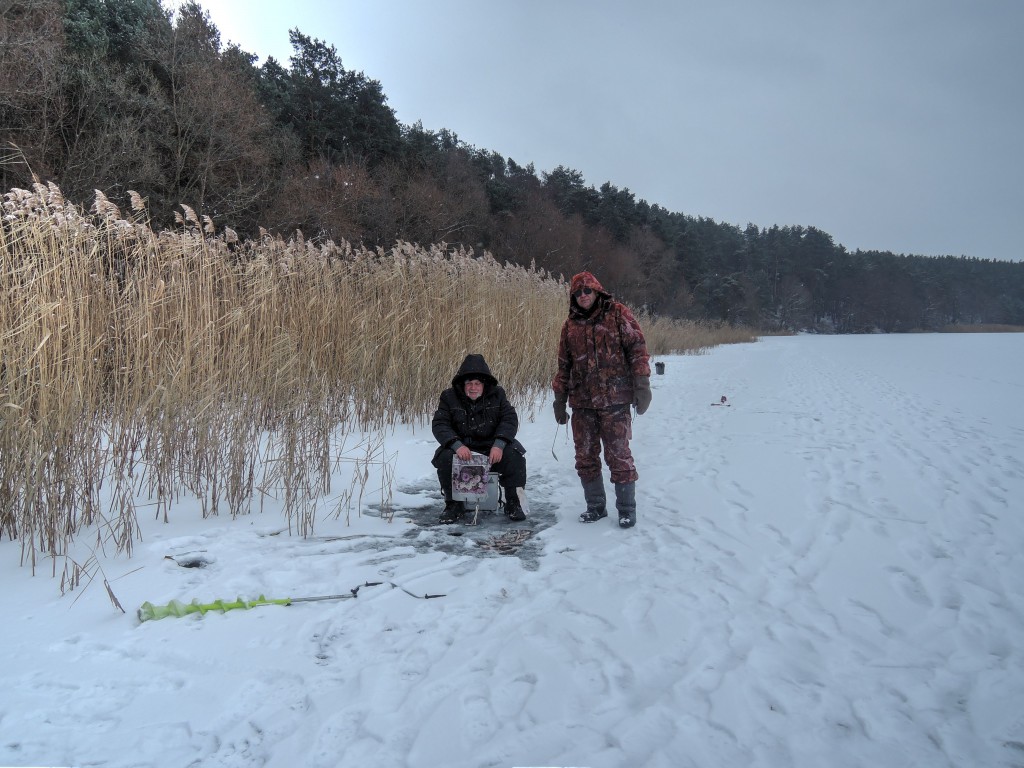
625 503
453 512
513 508
593 492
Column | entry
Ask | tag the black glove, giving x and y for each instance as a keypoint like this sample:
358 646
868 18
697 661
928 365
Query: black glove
642 393
561 415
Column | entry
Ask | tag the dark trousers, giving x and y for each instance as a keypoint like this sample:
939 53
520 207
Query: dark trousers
511 470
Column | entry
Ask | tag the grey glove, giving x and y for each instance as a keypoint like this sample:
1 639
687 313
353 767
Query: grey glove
642 393
561 415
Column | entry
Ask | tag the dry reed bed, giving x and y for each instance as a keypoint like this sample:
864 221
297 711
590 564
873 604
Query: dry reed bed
137 364
666 335
159 364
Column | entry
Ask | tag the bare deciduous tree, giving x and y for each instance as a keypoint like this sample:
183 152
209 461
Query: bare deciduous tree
31 42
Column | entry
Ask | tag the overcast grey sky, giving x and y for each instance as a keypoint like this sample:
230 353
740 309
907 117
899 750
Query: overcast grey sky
891 124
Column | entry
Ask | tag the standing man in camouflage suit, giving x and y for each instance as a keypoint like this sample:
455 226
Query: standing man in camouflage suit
603 369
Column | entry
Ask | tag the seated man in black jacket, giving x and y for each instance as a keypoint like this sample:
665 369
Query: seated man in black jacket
474 415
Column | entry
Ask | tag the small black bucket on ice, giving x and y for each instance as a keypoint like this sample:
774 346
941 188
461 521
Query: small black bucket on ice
659 368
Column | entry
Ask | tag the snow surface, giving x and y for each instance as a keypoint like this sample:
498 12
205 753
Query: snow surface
826 571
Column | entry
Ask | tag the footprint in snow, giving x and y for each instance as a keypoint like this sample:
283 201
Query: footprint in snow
910 587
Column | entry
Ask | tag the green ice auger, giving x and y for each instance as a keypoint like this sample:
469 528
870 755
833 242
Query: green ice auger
177 608
148 611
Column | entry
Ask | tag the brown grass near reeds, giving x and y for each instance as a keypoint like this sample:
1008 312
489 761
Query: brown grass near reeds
667 335
142 365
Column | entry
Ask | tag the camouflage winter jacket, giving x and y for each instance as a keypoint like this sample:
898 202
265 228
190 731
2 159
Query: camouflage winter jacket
599 352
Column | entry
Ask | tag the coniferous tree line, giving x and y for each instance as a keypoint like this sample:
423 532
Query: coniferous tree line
122 95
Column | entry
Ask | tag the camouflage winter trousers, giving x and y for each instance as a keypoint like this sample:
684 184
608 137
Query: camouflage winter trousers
611 427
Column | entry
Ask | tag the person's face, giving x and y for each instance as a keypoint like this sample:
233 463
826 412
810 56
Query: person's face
585 297
474 388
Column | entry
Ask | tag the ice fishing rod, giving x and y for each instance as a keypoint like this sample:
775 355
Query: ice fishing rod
554 440
149 612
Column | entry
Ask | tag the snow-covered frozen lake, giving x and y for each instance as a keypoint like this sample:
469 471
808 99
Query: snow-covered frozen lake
826 571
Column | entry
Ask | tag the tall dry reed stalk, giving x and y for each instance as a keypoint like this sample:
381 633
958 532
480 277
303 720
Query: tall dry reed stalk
139 366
